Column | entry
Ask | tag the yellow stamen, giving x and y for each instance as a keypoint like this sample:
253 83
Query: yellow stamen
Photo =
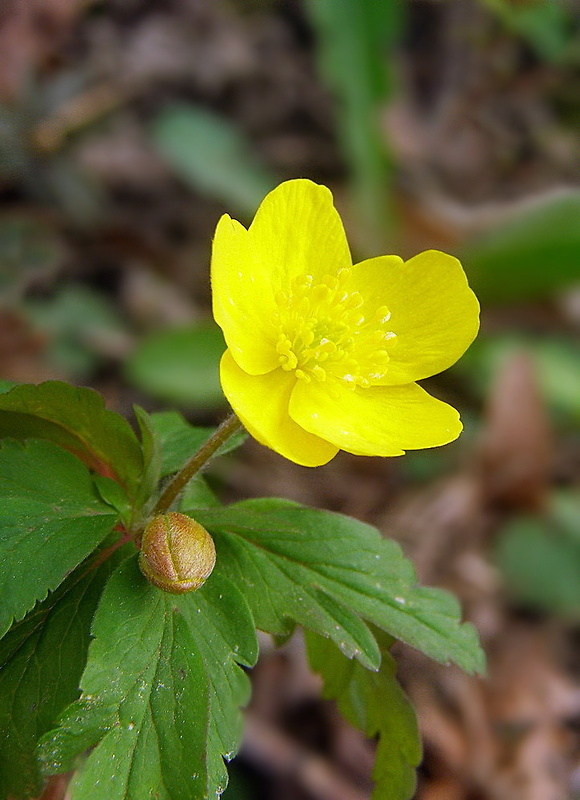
324 323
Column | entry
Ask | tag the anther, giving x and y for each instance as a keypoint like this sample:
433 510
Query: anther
320 293
354 301
331 281
382 314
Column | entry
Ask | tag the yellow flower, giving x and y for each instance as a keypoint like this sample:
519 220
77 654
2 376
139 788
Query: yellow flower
323 355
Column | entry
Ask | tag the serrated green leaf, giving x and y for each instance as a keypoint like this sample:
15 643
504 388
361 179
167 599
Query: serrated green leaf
42 659
281 591
5 385
221 625
151 463
180 440
180 366
375 703
145 701
326 571
212 155
51 519
76 419
224 630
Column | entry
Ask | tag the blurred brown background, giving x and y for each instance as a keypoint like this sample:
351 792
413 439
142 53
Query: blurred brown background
127 127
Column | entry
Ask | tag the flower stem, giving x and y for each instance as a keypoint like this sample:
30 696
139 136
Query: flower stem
178 483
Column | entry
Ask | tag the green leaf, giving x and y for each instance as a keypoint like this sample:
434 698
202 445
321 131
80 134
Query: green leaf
530 256
161 692
76 419
326 571
375 703
29 246
151 450
280 590
51 519
79 326
540 558
180 366
213 156
564 510
198 494
5 386
180 440
146 493
544 24
112 493
145 701
222 625
355 41
41 662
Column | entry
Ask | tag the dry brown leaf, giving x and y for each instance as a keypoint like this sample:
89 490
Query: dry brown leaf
517 441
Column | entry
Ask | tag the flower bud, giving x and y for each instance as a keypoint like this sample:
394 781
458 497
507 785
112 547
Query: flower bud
177 553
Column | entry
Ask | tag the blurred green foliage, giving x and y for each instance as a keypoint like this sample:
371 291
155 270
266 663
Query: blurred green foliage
48 171
29 248
180 366
212 155
556 360
550 27
530 256
540 557
355 44
81 326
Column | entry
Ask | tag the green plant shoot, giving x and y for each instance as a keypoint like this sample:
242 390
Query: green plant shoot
131 596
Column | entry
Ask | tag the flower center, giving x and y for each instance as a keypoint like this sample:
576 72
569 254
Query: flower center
322 331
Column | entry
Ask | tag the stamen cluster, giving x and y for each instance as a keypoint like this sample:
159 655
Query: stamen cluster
323 330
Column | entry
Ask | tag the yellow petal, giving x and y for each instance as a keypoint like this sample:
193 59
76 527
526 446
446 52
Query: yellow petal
297 231
434 313
243 304
378 421
261 403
